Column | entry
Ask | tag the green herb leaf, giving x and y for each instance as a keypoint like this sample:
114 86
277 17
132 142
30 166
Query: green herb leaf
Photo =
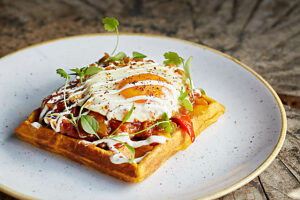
110 24
186 103
120 55
76 70
202 92
62 73
91 70
138 55
89 124
166 124
127 116
173 58
79 72
182 99
187 67
183 95
187 70
117 57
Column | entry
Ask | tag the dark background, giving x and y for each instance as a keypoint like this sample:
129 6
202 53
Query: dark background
264 34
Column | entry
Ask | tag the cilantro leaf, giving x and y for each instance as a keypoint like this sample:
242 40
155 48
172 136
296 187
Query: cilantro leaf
62 73
138 55
173 58
110 23
89 125
91 70
166 123
182 99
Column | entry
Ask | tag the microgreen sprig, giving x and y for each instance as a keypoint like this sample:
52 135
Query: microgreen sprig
164 124
186 102
187 70
127 116
85 71
64 74
118 57
88 123
174 58
111 24
130 148
148 128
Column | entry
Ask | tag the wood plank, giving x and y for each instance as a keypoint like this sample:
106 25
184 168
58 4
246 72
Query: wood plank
290 153
278 181
265 34
251 191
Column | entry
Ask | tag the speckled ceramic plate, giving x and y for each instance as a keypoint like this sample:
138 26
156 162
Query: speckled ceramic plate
224 157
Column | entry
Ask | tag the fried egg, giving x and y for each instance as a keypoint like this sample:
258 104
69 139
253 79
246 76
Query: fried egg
152 87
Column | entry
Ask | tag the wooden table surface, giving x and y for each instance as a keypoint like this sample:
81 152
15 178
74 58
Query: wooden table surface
264 34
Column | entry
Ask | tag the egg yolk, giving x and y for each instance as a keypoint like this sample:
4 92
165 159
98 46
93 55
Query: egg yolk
141 90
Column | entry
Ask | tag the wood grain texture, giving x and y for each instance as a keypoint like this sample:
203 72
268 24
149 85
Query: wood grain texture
264 34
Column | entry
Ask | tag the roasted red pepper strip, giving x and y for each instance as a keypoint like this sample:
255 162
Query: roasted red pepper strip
187 124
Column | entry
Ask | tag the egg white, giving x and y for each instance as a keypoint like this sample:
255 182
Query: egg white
107 100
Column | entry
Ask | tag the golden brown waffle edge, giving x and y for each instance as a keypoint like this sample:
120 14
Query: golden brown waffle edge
91 155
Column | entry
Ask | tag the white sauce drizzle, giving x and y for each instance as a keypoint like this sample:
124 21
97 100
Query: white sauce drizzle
42 114
106 100
36 124
118 157
103 84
